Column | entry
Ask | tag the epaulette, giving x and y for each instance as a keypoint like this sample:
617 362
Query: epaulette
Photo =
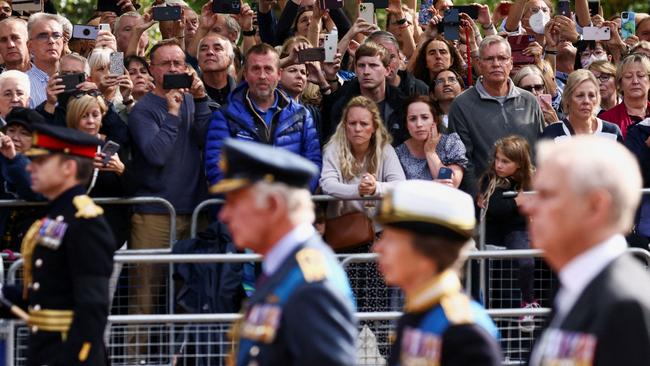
86 207
312 264
457 308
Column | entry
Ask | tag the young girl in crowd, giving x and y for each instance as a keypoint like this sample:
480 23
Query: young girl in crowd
510 170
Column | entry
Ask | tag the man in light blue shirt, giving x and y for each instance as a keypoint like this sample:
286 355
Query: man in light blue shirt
45 44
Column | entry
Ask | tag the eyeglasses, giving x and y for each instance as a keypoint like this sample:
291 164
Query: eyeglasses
498 59
535 10
44 37
597 52
535 87
93 93
450 80
603 78
170 64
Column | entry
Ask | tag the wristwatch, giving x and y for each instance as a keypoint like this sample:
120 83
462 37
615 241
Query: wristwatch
249 33
400 21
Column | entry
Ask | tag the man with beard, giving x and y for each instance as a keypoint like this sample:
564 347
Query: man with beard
257 110
215 56
495 108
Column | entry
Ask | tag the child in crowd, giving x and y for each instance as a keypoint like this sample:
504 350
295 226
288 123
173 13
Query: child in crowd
510 170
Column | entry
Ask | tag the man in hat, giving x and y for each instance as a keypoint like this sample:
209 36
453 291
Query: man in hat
68 254
427 227
587 191
302 311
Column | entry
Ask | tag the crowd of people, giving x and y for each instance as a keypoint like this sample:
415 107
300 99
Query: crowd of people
461 102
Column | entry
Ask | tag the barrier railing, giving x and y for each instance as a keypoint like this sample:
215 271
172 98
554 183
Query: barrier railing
203 337
219 201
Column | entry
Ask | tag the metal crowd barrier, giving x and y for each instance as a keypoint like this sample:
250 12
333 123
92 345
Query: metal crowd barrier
203 339
219 201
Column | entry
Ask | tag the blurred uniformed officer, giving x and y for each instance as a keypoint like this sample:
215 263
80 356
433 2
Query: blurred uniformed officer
588 189
68 254
302 311
427 226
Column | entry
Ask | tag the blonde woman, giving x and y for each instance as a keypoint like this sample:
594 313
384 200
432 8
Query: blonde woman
358 160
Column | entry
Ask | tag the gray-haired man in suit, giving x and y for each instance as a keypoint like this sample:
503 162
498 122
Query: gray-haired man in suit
588 189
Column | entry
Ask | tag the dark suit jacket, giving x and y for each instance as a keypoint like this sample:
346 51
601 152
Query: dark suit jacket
615 309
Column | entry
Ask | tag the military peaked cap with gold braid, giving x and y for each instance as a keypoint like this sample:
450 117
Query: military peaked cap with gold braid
244 163
48 139
428 208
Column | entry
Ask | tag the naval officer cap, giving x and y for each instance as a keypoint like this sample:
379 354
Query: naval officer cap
244 163
48 139
428 208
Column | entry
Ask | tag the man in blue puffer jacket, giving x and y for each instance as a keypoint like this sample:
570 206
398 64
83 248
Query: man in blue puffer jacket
257 110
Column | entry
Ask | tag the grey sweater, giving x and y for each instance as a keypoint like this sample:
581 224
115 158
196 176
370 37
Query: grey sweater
481 119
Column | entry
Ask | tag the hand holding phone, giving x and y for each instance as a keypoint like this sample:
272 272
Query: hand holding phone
445 173
166 13
367 12
109 149
177 81
311 54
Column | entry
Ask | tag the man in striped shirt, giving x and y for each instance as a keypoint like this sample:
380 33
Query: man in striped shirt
46 46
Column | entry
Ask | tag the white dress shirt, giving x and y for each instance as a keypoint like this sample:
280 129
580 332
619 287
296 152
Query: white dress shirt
38 80
577 274
281 250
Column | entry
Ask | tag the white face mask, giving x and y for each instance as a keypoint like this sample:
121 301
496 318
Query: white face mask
585 62
538 21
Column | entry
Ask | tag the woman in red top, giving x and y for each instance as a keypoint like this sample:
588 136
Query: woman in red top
633 80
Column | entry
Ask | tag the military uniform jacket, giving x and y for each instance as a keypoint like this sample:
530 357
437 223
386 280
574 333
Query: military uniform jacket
609 324
442 326
68 261
303 314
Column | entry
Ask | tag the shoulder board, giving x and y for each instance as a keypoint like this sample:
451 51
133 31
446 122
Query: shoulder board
312 264
86 207
457 308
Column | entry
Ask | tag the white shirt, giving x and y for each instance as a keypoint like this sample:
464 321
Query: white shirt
577 274
281 250
38 80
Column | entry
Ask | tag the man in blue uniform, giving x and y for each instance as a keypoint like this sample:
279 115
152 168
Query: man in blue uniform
302 312
427 226
68 254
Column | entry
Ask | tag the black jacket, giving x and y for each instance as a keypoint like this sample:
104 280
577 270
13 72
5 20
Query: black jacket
609 324
71 276
392 113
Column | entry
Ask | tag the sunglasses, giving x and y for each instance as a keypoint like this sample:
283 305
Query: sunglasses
535 87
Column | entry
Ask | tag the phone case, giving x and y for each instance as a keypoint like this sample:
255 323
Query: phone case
470 10
451 25
564 8
110 149
596 33
117 63
367 12
226 6
628 25
517 45
71 81
330 44
166 13
177 81
80 31
104 26
425 13
311 54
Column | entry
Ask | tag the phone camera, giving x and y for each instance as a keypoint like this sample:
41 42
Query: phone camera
86 32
